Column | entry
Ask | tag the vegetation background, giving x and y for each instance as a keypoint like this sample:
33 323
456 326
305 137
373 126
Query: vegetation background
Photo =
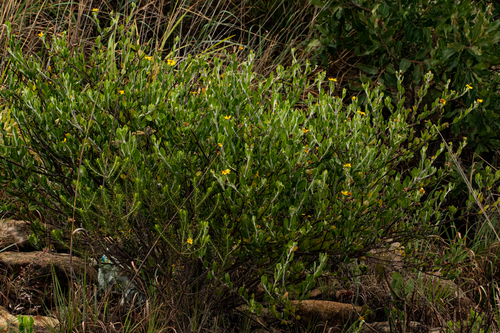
166 187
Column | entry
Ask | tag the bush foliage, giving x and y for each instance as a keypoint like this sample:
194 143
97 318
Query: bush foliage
253 179
457 41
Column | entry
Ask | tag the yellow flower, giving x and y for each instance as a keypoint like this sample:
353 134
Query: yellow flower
40 34
64 140
226 172
220 144
479 100
331 79
422 191
122 176
347 165
227 117
95 10
346 192
171 62
190 240
295 249
353 98
241 47
468 86
306 151
121 92
148 58
305 130
361 113
442 101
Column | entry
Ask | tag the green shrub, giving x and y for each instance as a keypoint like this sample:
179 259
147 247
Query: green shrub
205 162
456 41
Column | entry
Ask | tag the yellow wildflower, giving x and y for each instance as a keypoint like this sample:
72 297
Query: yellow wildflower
40 34
479 100
64 140
361 113
226 172
171 62
305 130
123 176
468 86
331 79
148 58
306 151
422 191
241 47
190 240
121 92
227 117
347 165
220 144
346 192
353 98
295 248
95 10
442 101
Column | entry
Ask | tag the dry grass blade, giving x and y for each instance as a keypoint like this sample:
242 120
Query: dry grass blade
469 185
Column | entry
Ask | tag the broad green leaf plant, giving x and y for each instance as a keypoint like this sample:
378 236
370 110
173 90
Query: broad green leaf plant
269 180
456 41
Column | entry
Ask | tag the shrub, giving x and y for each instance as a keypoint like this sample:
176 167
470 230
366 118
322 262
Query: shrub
198 160
456 41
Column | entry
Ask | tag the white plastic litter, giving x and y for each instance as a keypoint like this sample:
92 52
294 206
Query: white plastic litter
110 279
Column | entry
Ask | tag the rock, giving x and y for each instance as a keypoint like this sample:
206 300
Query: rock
315 293
309 310
333 312
13 232
9 322
17 232
454 294
44 261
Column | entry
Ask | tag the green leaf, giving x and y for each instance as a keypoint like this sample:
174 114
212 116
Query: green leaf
418 73
318 3
368 69
404 65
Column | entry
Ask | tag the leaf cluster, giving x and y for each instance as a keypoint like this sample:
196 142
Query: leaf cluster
201 160
456 41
